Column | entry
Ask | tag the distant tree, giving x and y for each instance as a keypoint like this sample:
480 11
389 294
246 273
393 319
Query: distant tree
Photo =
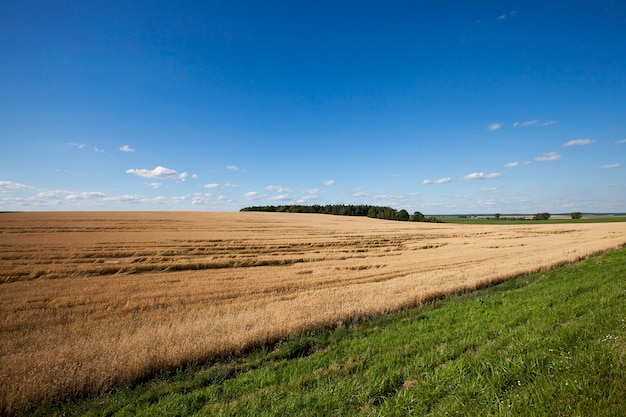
497 216
418 217
377 212
576 215
432 219
542 216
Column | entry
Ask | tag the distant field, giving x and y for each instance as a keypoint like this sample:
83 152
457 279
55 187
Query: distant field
556 219
91 300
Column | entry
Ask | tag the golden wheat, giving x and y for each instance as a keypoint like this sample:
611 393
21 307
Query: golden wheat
89 300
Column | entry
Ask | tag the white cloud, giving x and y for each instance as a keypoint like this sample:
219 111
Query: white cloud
253 195
621 141
155 185
388 197
547 157
158 172
490 189
52 193
328 182
494 126
610 166
309 195
232 168
512 164
534 123
502 17
439 181
359 192
10 185
481 176
199 198
96 149
126 148
216 185
280 197
278 189
78 145
578 142
85 195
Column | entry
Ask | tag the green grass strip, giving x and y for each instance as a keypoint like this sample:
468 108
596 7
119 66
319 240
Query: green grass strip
547 344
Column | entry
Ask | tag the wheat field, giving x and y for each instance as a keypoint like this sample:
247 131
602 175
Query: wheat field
89 300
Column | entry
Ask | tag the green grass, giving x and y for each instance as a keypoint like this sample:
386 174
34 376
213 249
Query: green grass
553 220
547 344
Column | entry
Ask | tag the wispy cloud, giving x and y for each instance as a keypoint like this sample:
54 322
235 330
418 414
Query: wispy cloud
201 198
578 142
503 16
52 193
439 181
155 185
512 164
482 176
494 126
621 141
78 145
159 172
547 157
527 123
216 185
309 195
328 183
280 197
96 149
490 189
88 195
388 197
126 148
610 166
253 195
278 189
233 168
10 185
359 192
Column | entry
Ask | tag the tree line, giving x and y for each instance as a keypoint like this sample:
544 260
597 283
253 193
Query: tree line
375 212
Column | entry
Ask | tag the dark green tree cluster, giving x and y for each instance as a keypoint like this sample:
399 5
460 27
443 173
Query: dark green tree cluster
576 215
376 212
542 216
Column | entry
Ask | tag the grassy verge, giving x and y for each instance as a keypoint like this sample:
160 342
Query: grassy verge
551 344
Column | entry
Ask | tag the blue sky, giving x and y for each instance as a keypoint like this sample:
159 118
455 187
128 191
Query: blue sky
435 106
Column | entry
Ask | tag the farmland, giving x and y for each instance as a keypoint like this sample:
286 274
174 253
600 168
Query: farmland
92 300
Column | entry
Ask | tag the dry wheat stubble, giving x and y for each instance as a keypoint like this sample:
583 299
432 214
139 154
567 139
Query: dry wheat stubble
88 300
